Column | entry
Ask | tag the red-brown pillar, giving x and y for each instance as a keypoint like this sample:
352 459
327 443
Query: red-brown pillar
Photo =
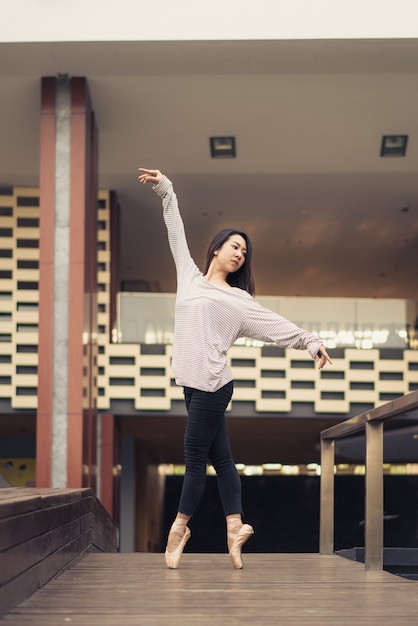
67 404
110 470
82 331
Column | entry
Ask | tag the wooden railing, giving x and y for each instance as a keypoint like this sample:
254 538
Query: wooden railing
45 531
371 423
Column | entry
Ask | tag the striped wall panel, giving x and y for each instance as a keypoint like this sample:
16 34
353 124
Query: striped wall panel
19 296
272 383
128 372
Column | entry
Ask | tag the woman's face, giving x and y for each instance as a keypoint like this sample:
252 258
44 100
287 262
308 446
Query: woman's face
231 255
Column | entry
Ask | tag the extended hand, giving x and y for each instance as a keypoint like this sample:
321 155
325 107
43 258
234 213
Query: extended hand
149 176
322 357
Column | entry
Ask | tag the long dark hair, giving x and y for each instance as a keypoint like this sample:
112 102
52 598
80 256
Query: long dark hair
242 278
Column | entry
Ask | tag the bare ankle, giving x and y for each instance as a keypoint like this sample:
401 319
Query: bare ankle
233 526
174 538
177 530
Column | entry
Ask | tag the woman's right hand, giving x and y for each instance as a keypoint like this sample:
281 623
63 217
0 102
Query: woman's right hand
149 176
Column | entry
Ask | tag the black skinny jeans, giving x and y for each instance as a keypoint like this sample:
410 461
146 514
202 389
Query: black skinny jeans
206 437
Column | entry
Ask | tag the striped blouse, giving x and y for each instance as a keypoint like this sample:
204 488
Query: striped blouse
209 318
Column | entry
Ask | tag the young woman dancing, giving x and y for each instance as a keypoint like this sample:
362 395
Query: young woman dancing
213 309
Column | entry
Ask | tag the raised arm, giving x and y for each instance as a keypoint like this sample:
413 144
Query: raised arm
185 265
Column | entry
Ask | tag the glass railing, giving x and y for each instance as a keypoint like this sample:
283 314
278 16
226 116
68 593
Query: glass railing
340 322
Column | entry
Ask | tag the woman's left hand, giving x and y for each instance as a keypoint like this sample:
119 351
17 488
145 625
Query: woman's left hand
323 357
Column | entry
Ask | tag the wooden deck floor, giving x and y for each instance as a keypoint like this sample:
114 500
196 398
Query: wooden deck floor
288 589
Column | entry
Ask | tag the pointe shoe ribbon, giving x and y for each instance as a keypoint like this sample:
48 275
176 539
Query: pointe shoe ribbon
241 537
172 559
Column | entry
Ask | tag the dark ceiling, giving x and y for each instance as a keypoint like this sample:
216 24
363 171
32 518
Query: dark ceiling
327 215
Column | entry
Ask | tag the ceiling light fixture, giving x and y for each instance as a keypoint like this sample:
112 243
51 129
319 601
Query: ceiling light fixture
393 145
222 147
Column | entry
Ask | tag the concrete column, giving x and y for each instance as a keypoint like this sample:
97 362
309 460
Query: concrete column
61 262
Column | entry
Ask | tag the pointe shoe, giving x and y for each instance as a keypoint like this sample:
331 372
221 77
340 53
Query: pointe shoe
241 537
172 559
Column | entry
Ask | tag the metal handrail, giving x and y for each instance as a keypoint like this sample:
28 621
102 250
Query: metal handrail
372 423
